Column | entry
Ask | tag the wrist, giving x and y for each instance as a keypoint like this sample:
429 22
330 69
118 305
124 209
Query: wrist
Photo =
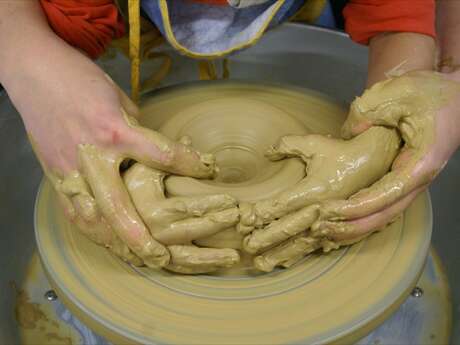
26 38
397 53
448 40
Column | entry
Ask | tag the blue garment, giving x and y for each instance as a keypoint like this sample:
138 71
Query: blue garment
202 30
326 19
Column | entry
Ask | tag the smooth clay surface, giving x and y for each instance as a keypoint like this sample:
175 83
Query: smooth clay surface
335 297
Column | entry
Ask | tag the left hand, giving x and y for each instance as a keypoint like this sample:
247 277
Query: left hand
176 222
425 108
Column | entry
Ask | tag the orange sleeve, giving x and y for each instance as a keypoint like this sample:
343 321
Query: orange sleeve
365 19
86 24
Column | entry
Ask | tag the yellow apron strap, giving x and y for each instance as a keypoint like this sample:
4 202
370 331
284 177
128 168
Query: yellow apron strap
225 69
207 70
310 11
134 46
155 79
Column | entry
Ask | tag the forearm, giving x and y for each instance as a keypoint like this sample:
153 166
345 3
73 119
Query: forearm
403 52
448 28
26 39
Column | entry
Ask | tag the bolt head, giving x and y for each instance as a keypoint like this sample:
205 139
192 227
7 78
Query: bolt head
417 292
50 295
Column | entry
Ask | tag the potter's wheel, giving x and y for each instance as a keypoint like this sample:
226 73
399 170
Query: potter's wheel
339 296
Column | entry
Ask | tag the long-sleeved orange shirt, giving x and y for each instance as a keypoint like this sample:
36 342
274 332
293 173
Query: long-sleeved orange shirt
365 19
86 24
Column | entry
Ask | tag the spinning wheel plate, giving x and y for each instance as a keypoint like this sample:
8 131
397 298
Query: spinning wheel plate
337 297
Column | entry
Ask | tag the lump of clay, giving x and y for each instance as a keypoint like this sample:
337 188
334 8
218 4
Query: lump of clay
335 169
177 222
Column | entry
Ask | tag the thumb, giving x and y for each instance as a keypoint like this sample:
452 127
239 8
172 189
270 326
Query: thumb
387 102
379 105
303 146
157 151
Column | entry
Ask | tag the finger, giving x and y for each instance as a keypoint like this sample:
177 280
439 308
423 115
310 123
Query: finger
247 218
100 233
185 140
146 187
383 104
120 249
193 260
280 230
86 215
287 253
178 208
293 146
337 170
187 230
354 126
101 170
223 239
157 151
66 205
413 95
383 193
255 216
91 223
359 228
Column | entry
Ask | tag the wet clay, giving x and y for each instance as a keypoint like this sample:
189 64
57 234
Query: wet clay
96 200
408 103
339 296
178 221
243 143
335 169
188 225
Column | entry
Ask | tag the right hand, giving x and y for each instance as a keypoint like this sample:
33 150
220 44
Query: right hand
81 127
278 229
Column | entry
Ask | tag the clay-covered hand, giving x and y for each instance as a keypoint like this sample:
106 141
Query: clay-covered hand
77 120
425 108
335 169
177 222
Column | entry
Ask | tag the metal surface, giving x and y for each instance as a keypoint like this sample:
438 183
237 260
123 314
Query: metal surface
50 295
315 58
425 316
417 292
423 320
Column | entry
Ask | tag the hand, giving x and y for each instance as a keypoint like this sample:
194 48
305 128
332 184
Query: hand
335 169
82 128
178 221
425 108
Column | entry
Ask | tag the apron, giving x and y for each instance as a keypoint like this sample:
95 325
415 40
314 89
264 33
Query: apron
202 31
